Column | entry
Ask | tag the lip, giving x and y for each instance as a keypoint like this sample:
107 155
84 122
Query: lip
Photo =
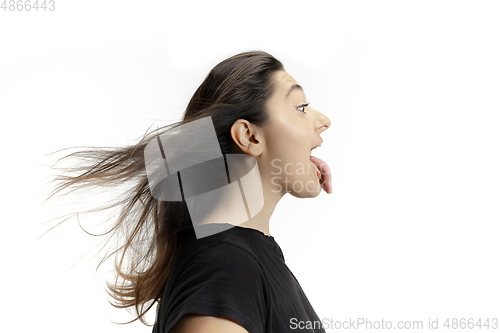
317 144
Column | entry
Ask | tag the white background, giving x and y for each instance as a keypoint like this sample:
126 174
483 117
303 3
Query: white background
411 230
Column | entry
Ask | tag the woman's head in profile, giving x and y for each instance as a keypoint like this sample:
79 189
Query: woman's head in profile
257 109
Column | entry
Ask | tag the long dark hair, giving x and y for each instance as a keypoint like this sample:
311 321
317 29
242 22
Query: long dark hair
236 88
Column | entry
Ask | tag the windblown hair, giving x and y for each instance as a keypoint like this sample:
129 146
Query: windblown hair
236 88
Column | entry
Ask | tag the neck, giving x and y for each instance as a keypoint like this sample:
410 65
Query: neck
261 220
251 210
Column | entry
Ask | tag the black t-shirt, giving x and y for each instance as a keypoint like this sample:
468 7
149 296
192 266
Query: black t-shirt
238 273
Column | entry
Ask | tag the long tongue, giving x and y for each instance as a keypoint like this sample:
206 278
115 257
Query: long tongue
326 174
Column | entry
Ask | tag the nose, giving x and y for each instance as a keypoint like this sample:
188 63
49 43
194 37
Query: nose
322 122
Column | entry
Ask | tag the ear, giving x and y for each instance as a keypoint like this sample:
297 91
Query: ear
247 137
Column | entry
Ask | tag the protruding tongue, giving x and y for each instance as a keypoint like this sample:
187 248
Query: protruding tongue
325 173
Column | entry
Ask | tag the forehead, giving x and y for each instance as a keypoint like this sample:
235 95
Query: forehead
283 82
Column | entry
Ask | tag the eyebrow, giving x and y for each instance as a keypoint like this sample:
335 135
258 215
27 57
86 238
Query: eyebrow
292 88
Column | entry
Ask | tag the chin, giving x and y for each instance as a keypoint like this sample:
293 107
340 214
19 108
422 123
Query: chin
311 188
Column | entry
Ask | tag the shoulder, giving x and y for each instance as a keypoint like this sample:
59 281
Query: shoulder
226 259
224 285
223 281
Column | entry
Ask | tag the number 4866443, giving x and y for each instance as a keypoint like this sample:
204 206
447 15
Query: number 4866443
28 5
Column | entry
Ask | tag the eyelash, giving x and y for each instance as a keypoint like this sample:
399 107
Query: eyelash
304 106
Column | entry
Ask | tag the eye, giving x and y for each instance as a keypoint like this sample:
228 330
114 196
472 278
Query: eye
302 107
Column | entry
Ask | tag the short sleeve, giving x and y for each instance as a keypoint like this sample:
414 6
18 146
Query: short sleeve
222 281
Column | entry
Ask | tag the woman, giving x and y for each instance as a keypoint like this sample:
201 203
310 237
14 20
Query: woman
234 279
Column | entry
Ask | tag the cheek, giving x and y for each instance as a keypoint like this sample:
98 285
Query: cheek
289 148
288 138
284 137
